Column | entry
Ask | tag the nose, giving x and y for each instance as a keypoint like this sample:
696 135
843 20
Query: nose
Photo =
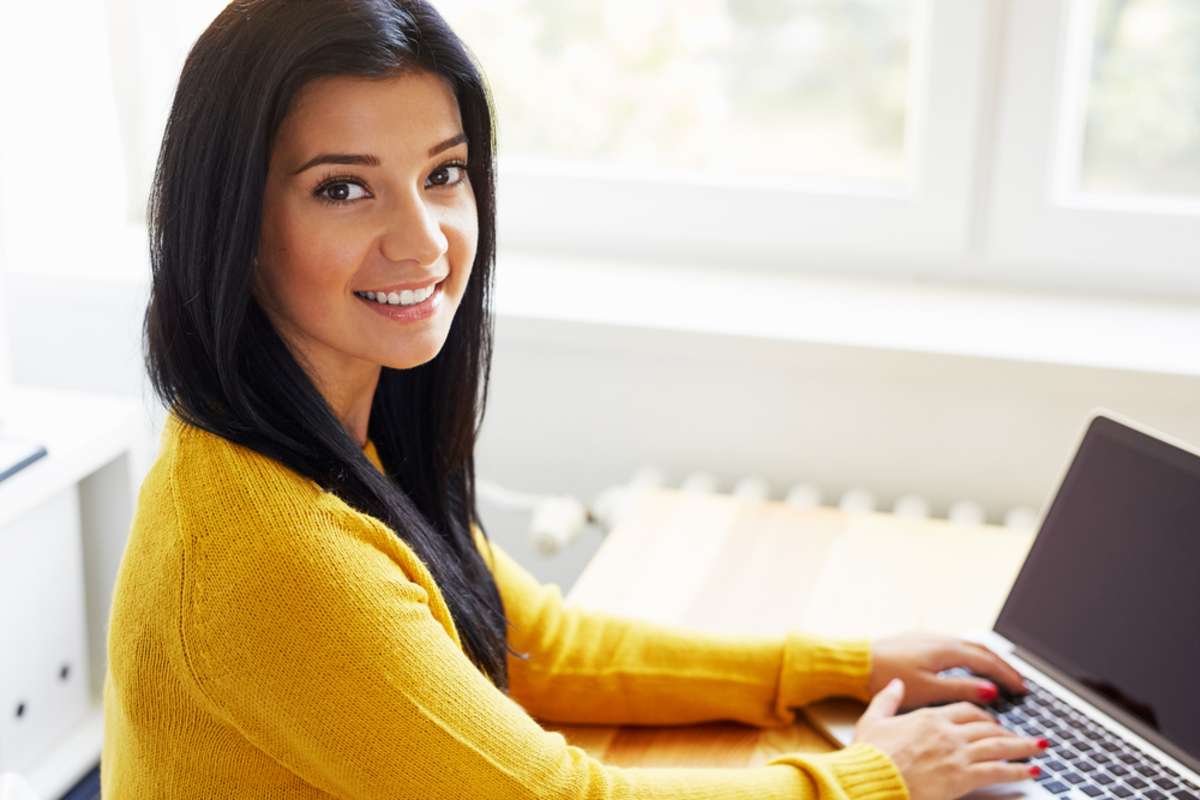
414 233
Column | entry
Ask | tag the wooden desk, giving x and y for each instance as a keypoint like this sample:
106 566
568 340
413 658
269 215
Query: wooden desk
718 564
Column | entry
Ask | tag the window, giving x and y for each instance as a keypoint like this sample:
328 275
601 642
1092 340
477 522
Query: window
759 133
1045 142
1141 124
772 88
1094 183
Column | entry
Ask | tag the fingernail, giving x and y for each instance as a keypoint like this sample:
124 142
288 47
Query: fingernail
988 692
1043 743
893 683
1034 771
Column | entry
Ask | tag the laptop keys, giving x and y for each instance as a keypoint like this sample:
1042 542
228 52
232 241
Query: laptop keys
1086 756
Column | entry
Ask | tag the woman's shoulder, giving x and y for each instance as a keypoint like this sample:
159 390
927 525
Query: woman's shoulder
229 497
206 467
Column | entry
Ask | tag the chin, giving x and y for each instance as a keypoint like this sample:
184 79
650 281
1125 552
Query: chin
407 364
412 357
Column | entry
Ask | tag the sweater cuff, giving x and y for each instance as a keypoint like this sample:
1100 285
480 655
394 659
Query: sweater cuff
860 771
816 667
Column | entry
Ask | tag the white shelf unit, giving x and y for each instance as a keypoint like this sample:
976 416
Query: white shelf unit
63 522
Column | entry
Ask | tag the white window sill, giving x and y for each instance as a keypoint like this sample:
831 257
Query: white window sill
1032 326
1106 333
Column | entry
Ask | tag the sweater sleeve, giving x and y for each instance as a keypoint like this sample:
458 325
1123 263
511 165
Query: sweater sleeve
585 666
325 654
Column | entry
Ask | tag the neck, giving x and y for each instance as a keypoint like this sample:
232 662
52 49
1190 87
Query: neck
347 384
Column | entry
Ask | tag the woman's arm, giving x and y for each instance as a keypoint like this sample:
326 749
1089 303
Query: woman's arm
585 666
327 656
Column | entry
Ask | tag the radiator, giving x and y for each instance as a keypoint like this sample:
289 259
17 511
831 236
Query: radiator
556 520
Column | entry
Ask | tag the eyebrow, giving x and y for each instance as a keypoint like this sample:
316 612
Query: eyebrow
368 160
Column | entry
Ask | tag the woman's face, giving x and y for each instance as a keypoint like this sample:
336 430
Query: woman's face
367 196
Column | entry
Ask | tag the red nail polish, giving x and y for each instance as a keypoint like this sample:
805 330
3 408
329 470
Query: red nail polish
1043 743
1034 771
988 692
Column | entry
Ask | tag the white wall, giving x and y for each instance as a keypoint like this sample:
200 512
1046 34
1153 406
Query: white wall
5 358
576 407
572 408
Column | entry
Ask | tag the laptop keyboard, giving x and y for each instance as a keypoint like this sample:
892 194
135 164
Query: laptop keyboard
1084 760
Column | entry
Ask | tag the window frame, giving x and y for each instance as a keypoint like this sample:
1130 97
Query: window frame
601 211
1041 228
992 144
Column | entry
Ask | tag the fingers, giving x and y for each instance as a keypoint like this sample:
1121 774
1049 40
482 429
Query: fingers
990 760
974 731
1002 748
886 701
969 689
982 661
963 712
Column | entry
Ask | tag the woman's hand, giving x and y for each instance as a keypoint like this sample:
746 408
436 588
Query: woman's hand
917 659
945 752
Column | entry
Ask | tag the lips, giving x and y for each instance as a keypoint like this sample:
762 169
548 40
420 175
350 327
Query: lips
406 313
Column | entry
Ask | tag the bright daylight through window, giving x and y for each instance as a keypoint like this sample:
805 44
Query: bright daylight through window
1142 125
758 87
1025 142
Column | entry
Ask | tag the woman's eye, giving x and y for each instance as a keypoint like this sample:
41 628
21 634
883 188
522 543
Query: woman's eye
342 192
448 175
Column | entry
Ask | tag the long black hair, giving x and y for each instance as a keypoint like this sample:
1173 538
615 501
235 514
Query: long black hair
217 362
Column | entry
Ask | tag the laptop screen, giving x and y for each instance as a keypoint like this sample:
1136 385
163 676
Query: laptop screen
1110 591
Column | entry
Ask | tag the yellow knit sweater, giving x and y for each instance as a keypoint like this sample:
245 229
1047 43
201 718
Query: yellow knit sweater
268 641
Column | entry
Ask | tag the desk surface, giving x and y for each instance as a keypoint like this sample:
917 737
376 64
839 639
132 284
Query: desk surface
719 564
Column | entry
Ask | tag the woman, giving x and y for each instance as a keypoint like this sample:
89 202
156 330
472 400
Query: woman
307 606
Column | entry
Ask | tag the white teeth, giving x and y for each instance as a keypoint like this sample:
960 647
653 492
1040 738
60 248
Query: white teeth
408 297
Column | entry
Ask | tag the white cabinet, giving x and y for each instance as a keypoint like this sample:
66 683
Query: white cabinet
44 693
63 525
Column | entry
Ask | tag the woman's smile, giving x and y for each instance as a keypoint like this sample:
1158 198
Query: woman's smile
406 305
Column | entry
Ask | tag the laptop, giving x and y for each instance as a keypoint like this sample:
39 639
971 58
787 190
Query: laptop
1103 621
